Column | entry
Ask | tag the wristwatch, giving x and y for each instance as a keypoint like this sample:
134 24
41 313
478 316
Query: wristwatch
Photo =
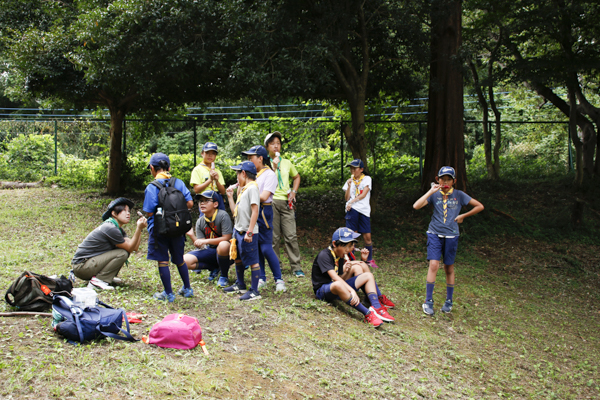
294 191
249 234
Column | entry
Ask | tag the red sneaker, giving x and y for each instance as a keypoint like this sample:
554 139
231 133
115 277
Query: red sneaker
382 313
373 319
384 301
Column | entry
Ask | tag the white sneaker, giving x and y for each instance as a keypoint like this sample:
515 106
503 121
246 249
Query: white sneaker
117 281
280 286
261 284
96 283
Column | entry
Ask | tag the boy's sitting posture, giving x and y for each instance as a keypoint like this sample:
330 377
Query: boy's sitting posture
332 280
244 244
213 232
442 234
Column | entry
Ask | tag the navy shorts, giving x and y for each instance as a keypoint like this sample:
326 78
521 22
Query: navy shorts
358 222
324 292
159 248
266 234
247 252
438 248
207 256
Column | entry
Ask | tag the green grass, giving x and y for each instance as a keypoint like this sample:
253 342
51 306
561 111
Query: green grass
524 325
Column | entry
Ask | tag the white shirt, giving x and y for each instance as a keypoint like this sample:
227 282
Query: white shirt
362 206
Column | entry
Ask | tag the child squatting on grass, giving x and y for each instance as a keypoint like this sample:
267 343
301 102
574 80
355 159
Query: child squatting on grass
159 247
358 206
213 233
332 279
442 234
244 244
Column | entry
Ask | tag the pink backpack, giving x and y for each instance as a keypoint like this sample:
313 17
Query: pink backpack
176 331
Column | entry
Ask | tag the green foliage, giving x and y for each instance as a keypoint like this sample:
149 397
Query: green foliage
28 158
81 173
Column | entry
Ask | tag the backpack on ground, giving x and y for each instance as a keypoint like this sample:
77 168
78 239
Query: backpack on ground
176 331
34 292
81 324
176 218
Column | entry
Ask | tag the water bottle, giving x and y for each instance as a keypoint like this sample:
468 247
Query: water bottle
159 211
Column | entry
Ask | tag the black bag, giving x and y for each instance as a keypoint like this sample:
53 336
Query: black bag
176 218
34 292
78 325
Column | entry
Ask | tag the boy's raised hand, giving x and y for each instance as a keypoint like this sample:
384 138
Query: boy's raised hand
142 222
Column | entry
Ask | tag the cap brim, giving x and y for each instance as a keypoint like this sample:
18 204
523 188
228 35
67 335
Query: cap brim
106 215
352 238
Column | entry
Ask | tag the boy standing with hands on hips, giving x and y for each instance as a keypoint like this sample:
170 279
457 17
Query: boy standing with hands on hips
442 234
358 206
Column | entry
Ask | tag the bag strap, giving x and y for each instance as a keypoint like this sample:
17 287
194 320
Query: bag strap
128 335
103 304
157 184
73 308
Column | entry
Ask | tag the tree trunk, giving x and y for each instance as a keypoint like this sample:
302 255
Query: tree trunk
574 137
445 126
498 139
113 183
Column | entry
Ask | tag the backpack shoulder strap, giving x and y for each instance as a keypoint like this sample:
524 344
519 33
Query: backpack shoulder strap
172 182
157 184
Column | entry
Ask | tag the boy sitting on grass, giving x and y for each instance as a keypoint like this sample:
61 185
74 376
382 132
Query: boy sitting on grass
442 235
213 232
332 281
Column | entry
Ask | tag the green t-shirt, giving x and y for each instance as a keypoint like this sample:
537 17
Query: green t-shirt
287 170
200 175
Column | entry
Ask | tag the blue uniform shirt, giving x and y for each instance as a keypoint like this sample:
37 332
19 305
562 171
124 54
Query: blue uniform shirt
446 226
151 198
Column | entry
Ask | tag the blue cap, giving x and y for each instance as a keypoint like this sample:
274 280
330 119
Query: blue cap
247 166
209 194
210 146
257 151
121 200
157 158
447 171
356 163
345 235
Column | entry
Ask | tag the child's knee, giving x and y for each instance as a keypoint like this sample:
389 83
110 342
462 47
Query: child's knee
449 268
434 265
223 248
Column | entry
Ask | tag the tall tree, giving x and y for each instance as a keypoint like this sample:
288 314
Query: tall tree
445 136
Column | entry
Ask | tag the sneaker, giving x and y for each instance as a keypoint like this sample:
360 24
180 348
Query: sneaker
261 284
386 302
164 296
214 274
428 307
72 276
235 288
117 281
96 283
223 282
299 274
280 285
250 295
373 319
447 307
382 313
372 264
185 292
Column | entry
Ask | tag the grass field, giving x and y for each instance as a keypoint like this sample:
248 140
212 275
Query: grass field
524 325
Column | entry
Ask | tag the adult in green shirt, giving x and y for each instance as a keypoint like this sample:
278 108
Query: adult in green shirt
284 219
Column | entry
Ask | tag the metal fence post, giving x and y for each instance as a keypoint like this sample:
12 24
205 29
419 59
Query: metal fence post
195 139
420 152
569 148
55 147
341 150
124 151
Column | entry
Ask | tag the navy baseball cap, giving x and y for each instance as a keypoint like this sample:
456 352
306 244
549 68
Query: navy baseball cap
157 158
345 235
209 194
210 146
270 137
247 166
447 171
121 200
356 163
256 151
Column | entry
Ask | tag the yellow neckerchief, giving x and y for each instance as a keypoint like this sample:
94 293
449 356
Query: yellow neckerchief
336 259
261 171
205 166
356 183
233 249
445 201
210 221
163 175
213 185
240 196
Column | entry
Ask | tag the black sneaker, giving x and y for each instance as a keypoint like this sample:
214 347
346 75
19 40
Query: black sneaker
235 288
447 307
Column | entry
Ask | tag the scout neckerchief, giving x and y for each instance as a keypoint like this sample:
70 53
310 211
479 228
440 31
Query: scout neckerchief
240 196
213 234
163 175
115 223
213 185
279 178
261 171
336 259
445 202
356 183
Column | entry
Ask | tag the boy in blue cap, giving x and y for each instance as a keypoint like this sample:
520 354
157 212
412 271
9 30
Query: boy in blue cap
442 234
333 280
159 247
213 232
244 244
358 206
206 177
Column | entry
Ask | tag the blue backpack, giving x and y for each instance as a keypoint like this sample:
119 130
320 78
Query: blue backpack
78 325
